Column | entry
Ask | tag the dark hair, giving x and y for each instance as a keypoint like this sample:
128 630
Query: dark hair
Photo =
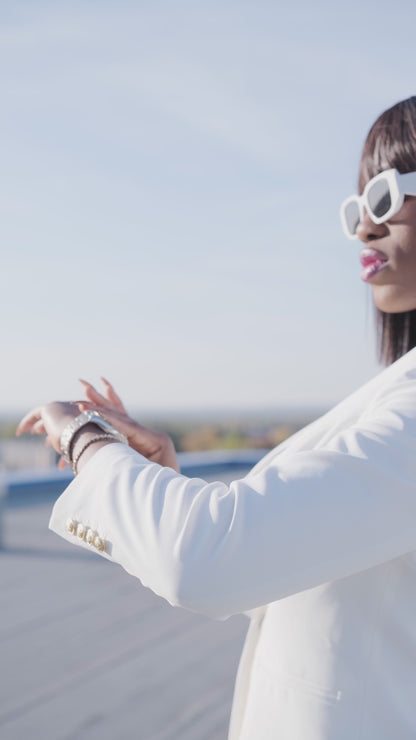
391 142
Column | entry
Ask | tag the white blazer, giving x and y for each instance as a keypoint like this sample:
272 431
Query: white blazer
322 531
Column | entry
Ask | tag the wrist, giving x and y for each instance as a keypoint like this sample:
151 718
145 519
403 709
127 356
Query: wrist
87 441
82 420
81 437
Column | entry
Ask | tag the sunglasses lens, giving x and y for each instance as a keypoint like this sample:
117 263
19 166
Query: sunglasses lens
379 198
352 217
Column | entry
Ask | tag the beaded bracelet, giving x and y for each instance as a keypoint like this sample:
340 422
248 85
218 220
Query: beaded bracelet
97 438
67 436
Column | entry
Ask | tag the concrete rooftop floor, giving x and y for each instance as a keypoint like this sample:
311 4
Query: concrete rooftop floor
88 653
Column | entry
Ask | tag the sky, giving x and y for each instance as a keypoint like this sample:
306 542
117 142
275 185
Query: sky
171 174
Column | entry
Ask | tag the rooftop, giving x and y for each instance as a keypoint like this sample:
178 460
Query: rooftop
88 653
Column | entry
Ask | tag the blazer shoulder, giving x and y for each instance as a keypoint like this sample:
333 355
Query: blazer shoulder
397 384
394 385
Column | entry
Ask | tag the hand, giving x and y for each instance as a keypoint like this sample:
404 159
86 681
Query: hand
156 446
51 420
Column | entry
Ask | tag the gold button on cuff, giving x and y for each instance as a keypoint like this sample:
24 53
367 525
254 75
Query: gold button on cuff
99 543
71 526
90 536
81 531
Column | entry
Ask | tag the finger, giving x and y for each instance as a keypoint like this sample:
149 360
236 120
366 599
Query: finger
90 406
61 463
85 405
113 396
38 427
108 413
93 395
118 419
29 420
141 438
144 437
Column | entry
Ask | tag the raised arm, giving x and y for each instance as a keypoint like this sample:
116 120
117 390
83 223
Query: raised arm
304 519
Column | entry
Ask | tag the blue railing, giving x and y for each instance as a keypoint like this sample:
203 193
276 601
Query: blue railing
28 487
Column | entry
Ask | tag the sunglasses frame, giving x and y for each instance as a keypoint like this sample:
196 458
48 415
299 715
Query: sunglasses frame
399 186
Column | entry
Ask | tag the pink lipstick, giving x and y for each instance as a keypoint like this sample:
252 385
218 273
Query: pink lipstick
372 261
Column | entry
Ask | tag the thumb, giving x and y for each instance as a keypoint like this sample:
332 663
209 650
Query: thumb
61 463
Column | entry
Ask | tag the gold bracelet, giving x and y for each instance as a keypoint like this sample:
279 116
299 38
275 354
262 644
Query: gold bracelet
97 438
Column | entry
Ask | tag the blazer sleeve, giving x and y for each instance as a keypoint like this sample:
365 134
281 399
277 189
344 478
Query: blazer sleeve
301 520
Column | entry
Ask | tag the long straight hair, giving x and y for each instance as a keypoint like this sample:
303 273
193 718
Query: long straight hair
391 142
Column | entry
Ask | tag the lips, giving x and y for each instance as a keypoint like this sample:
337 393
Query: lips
372 261
368 256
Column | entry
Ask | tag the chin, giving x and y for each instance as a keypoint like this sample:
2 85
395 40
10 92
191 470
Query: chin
393 299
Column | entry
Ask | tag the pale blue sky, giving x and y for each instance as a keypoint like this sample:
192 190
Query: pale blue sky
171 174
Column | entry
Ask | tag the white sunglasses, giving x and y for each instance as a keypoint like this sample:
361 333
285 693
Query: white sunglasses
382 197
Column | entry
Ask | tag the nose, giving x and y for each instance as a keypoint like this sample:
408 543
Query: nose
368 231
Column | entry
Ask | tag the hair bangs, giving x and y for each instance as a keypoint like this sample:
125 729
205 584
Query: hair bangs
391 142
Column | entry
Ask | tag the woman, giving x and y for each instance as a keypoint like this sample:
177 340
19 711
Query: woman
318 542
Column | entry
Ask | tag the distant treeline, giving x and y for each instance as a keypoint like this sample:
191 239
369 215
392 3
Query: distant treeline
190 436
195 434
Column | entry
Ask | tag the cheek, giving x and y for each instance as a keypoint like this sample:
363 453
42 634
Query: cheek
394 291
404 223
404 256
